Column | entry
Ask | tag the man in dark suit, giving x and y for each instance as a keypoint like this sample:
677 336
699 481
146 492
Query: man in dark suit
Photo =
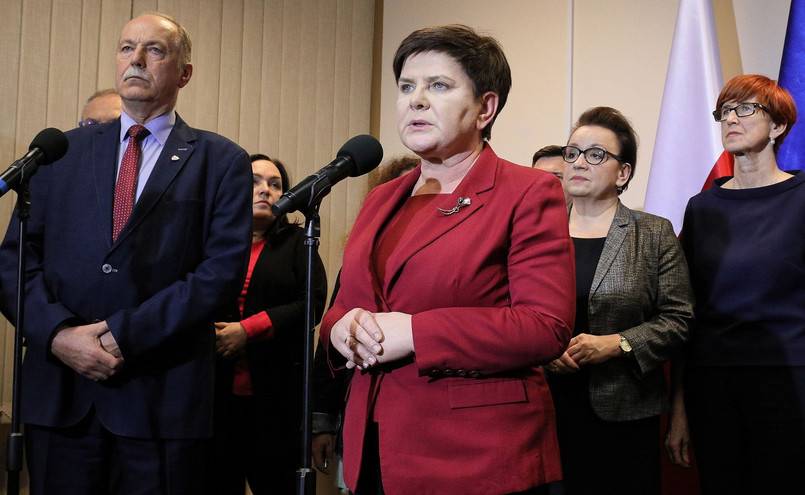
118 373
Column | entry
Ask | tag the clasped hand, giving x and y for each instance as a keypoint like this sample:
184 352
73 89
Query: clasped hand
586 349
230 339
90 350
367 339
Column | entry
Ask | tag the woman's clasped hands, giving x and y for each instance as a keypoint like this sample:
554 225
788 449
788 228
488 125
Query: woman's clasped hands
586 349
367 339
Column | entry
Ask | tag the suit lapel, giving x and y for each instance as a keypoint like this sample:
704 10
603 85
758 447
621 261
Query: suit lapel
378 213
173 158
104 157
480 178
617 233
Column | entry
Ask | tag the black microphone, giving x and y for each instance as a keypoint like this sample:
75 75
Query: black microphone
358 156
47 147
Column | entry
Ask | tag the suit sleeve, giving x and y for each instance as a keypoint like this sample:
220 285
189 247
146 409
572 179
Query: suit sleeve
537 324
656 340
45 313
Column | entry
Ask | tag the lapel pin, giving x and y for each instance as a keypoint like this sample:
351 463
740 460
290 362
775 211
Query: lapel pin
174 158
462 202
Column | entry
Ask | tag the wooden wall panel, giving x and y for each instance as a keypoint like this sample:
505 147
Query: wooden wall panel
10 35
250 66
230 69
65 49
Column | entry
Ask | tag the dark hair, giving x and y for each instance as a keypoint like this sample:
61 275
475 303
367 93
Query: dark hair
394 168
481 58
779 104
281 223
612 119
546 151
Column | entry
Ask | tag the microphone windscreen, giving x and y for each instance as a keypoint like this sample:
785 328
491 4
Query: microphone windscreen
365 151
52 143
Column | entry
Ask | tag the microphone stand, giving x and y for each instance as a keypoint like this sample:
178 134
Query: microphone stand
306 481
14 447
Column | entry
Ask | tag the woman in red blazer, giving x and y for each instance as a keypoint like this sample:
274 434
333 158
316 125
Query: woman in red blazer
457 283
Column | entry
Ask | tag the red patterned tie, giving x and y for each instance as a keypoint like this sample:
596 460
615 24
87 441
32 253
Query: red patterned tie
127 179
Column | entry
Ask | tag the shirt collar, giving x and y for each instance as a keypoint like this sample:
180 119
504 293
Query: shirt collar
159 127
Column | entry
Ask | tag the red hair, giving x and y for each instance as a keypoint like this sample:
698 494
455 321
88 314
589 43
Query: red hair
778 102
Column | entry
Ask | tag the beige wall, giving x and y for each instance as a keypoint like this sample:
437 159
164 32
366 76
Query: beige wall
569 55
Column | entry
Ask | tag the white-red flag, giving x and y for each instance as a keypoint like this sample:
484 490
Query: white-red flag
688 142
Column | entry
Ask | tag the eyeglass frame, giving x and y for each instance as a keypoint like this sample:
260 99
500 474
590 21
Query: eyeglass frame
725 111
584 152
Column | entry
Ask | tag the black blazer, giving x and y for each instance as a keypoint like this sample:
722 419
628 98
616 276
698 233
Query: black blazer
277 286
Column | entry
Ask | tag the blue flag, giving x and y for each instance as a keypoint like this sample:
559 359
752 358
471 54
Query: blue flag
791 155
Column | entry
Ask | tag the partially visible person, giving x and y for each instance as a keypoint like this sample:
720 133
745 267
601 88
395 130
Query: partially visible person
258 402
330 387
396 167
549 158
744 374
136 239
456 285
102 107
633 308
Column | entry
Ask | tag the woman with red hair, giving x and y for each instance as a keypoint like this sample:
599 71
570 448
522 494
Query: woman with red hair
744 378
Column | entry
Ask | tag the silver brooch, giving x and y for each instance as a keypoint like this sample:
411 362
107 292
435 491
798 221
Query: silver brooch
462 202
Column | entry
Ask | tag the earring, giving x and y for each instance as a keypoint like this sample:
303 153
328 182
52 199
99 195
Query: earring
772 141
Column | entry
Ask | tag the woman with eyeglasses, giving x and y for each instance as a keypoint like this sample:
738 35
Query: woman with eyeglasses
633 307
744 374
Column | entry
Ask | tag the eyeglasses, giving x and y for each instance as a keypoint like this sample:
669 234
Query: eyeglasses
744 109
593 156
84 123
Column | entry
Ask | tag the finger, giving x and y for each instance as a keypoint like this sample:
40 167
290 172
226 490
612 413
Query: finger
684 454
367 323
359 351
369 342
568 362
119 365
104 361
669 449
361 355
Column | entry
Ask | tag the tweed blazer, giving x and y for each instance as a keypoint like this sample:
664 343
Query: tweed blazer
641 289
